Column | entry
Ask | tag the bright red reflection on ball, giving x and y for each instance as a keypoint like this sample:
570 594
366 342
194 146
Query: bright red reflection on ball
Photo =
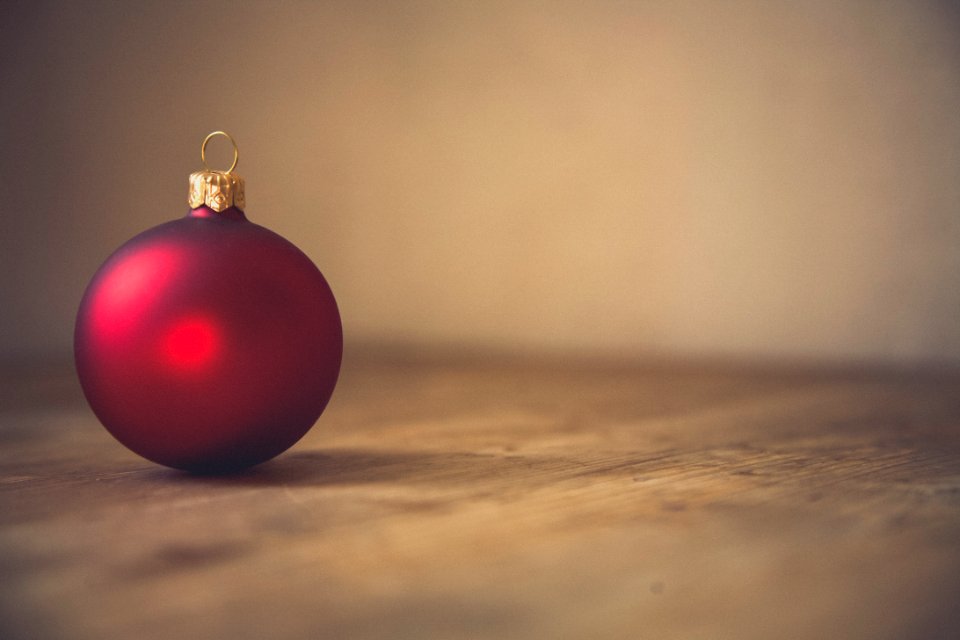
191 343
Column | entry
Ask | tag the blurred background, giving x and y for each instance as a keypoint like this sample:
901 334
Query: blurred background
748 179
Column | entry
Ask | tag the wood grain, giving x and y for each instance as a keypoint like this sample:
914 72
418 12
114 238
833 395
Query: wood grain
488 497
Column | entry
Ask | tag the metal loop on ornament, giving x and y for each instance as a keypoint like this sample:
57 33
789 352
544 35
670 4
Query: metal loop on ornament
203 150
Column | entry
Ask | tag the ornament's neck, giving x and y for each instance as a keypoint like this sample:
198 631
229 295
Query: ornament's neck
217 190
230 213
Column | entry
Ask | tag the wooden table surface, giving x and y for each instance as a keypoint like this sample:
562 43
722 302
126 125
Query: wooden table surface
485 497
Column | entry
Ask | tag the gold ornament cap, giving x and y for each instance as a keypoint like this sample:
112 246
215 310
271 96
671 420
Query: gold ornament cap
218 190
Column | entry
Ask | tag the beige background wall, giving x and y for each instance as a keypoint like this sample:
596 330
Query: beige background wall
761 179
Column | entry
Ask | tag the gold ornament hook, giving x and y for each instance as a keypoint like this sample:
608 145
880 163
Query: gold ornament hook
218 190
203 150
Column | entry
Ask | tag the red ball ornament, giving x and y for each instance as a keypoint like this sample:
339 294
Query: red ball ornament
208 343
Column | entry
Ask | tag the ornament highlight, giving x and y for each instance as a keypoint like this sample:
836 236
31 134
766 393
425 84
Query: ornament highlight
208 343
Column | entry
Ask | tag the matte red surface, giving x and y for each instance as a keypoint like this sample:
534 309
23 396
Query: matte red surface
208 343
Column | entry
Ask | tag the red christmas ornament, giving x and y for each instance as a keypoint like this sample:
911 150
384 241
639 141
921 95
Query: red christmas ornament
208 343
